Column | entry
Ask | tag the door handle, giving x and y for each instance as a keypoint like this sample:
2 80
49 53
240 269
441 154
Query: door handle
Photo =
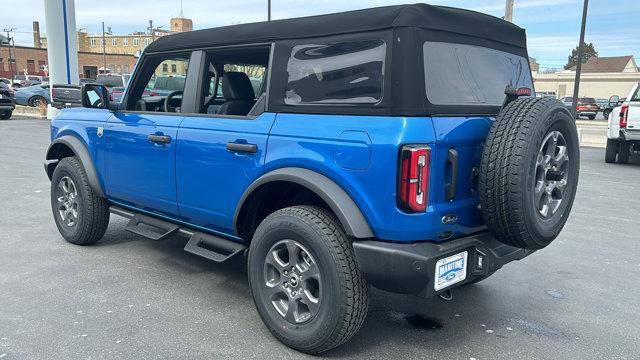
242 148
159 139
450 189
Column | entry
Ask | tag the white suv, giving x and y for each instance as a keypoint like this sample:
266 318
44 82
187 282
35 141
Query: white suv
623 130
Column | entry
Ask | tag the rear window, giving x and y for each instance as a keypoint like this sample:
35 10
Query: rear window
337 73
109 80
458 74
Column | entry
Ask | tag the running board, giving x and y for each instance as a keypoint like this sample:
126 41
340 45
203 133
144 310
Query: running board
205 245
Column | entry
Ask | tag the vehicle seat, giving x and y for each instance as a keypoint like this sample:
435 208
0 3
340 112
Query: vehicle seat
238 93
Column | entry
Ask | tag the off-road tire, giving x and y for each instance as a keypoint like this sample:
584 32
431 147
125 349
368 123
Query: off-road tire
623 152
611 151
509 166
93 211
5 115
343 301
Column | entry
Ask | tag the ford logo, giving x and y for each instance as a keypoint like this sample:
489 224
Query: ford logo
449 219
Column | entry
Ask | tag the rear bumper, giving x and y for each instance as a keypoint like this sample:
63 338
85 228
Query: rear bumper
630 134
586 112
410 268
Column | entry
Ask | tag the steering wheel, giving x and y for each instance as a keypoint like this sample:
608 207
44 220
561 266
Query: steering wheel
167 101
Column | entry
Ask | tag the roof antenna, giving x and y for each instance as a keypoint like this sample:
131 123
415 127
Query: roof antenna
181 14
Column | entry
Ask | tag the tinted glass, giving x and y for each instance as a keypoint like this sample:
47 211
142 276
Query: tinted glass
587 101
337 73
109 80
457 74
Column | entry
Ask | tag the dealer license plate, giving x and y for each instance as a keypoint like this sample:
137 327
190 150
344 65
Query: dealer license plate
450 270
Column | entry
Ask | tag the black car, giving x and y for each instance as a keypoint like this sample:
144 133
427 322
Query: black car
7 101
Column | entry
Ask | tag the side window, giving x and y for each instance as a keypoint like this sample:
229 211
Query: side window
256 74
459 74
636 96
337 73
159 84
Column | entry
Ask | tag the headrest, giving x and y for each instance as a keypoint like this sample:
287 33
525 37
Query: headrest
237 86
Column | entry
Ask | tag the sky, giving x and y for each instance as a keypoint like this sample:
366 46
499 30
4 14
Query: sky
552 26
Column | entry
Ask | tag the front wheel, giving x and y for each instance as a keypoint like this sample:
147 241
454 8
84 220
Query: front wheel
304 279
37 101
5 115
591 117
81 216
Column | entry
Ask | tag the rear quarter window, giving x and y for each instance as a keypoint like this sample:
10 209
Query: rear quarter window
350 72
459 74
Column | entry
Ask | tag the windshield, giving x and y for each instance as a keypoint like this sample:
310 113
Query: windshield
458 74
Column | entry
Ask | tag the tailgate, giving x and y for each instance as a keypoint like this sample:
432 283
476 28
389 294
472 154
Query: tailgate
455 197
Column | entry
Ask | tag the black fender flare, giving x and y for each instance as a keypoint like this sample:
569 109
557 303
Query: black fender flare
349 214
80 150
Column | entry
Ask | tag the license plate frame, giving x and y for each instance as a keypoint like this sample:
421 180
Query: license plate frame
450 270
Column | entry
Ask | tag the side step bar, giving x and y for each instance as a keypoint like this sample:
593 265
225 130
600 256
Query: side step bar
205 245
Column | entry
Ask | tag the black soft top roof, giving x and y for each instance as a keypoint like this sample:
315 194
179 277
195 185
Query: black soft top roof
430 17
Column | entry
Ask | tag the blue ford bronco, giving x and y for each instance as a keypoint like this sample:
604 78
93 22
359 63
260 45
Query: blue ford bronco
400 147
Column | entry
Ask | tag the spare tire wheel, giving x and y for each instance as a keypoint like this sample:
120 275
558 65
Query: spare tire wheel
529 172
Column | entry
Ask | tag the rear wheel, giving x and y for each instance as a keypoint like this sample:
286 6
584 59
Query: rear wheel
304 279
5 115
592 117
81 216
606 113
611 151
529 172
623 154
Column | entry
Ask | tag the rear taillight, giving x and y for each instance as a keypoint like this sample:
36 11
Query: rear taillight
624 112
414 177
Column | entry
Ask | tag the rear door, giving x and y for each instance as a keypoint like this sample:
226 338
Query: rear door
220 155
633 119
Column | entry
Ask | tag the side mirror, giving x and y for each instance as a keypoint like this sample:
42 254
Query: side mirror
613 101
95 96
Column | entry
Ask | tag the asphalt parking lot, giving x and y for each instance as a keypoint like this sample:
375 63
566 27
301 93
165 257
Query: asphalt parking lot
128 297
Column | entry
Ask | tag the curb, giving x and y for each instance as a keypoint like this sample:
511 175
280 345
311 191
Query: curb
32 112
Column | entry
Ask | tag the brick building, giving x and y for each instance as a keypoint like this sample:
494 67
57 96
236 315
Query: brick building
133 43
34 60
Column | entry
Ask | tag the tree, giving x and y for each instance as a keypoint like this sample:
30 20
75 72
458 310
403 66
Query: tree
589 51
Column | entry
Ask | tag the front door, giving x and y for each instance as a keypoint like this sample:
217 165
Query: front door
140 139
140 160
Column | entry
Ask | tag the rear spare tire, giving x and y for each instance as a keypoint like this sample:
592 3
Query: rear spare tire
529 172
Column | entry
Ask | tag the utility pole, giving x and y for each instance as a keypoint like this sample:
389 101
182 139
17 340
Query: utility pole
9 41
576 84
508 11
104 51
268 10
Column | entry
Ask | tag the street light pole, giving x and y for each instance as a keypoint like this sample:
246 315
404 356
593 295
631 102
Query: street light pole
268 10
576 85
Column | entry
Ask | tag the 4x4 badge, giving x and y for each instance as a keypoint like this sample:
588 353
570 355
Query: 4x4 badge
100 130
449 219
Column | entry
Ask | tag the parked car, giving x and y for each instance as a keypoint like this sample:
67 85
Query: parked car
115 83
567 101
587 107
65 96
372 175
612 105
6 81
7 101
623 127
35 95
20 81
165 85
602 104
545 94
